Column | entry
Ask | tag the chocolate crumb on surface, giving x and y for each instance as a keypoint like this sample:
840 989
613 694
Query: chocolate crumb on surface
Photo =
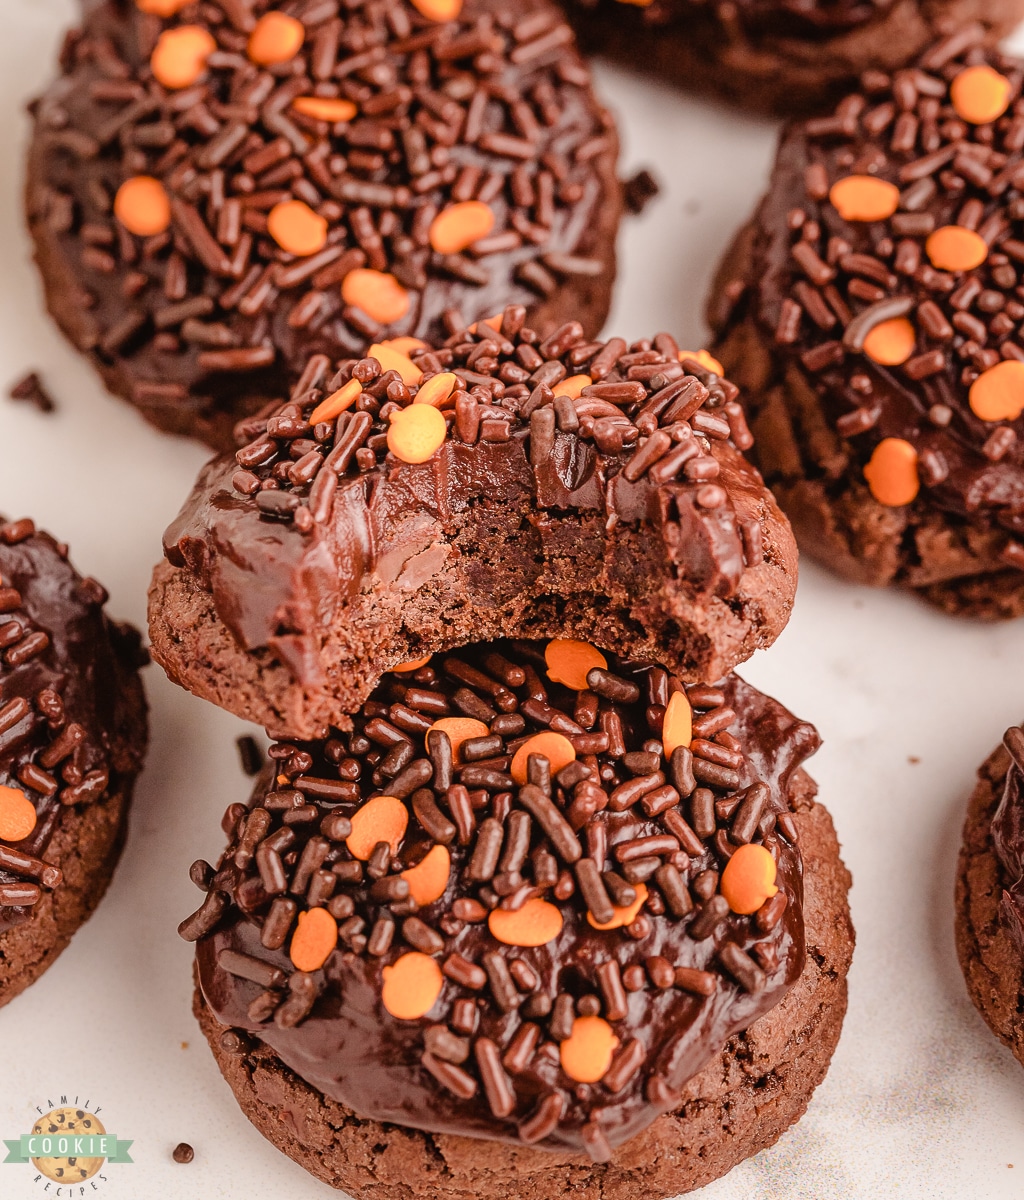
183 1153
639 190
30 388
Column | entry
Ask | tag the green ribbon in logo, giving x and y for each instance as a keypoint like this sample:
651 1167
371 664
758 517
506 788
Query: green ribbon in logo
67 1145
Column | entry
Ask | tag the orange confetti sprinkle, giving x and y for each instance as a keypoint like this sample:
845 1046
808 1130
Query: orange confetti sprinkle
573 386
953 248
382 819
376 293
891 343
162 8
998 393
405 345
391 359
413 664
142 206
980 94
892 473
325 108
587 1053
412 985
568 662
438 10
535 924
864 198
416 433
437 389
458 730
677 729
296 228
336 403
314 939
749 879
428 879
17 815
555 747
276 38
457 227
492 323
179 57
625 915
706 360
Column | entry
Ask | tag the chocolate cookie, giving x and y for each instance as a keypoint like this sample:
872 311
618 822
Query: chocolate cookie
72 739
990 893
537 487
218 192
872 314
439 928
776 55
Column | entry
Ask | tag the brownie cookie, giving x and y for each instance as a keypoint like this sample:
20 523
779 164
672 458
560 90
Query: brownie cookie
777 55
72 740
990 893
579 926
498 484
218 191
872 314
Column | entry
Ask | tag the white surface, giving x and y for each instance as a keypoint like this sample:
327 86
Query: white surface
921 1101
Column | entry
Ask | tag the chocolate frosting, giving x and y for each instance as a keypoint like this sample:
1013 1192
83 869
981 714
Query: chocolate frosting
1008 837
347 1045
904 130
75 680
213 314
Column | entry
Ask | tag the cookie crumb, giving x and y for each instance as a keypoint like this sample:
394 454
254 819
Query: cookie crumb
639 190
913 760
30 388
184 1045
251 755
183 1153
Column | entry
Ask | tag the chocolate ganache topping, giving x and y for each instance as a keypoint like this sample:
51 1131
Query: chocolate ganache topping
1008 835
776 18
67 711
530 894
222 189
886 271
497 477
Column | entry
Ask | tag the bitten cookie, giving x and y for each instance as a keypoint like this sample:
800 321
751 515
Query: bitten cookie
498 484
776 55
72 740
215 193
872 314
594 935
990 893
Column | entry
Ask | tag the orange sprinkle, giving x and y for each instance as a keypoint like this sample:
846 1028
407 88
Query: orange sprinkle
555 747
382 819
864 198
587 1053
568 662
892 473
394 360
953 248
413 664
416 433
493 322
438 10
162 8
623 916
535 924
412 985
749 879
891 342
315 937
325 108
706 360
276 38
428 879
573 386
405 345
677 729
437 389
458 730
142 206
998 393
980 94
458 226
17 815
296 227
377 293
336 403
179 57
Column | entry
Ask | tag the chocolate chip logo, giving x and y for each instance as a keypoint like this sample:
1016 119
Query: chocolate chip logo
68 1145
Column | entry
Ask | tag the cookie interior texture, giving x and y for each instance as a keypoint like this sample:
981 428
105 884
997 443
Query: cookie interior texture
201 322
73 722
861 343
592 489
774 56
